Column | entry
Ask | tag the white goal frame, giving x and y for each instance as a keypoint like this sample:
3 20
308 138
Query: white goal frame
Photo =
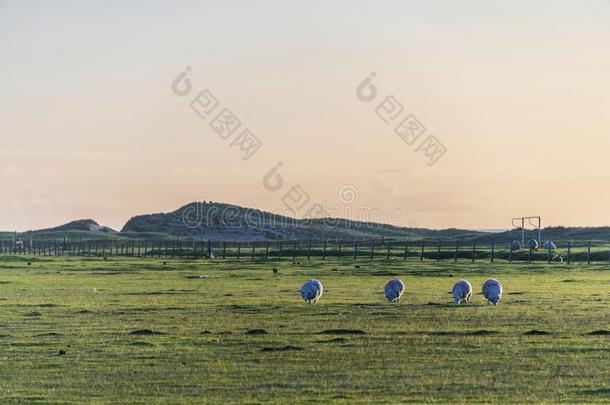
535 221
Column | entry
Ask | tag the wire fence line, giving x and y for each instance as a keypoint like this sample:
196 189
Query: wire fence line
371 249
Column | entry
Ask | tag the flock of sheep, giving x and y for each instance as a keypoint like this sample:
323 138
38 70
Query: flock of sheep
532 244
492 290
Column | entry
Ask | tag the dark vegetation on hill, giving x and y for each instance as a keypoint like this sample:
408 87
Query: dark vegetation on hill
217 221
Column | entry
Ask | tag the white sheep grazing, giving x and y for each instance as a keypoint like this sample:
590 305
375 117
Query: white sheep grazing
311 291
393 290
532 244
549 245
462 291
492 291
515 246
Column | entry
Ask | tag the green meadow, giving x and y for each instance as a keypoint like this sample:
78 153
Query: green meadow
227 331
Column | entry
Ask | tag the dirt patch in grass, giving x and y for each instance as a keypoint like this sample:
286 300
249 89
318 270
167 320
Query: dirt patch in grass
281 349
334 340
343 332
595 391
249 309
168 292
384 273
144 332
601 332
256 332
536 332
481 332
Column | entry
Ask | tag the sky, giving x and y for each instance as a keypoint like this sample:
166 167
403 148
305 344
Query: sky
515 93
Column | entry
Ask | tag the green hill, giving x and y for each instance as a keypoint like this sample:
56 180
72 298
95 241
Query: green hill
218 221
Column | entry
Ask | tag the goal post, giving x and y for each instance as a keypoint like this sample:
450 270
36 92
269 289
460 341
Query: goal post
534 222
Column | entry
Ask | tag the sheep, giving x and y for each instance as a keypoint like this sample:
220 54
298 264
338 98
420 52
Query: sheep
549 245
393 290
515 246
311 291
462 291
492 291
532 244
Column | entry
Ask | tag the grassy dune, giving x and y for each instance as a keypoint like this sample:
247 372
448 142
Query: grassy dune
131 330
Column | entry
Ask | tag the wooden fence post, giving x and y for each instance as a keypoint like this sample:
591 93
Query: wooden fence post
253 249
387 257
423 247
279 253
266 250
569 251
355 249
406 251
372 249
548 259
238 250
438 253
510 253
324 251
309 250
589 253
474 250
493 251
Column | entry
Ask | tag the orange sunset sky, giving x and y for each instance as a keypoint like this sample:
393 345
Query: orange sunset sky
517 92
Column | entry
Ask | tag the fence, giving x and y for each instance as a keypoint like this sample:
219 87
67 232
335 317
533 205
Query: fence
566 253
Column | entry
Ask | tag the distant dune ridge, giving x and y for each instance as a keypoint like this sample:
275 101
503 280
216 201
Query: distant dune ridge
87 225
218 221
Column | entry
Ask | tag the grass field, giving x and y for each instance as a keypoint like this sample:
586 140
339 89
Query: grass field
139 330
